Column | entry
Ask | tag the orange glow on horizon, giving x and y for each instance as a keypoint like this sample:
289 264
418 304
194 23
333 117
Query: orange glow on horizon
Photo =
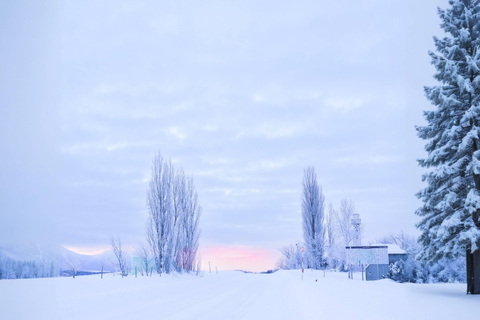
238 258
90 251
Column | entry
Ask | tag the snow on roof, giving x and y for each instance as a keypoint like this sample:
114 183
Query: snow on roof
392 248
395 249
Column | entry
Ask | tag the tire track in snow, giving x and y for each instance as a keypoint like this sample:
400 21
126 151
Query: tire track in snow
230 301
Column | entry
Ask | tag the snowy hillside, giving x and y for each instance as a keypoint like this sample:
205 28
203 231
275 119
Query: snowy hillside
35 252
233 295
58 255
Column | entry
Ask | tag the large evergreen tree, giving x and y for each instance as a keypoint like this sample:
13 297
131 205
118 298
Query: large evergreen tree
450 215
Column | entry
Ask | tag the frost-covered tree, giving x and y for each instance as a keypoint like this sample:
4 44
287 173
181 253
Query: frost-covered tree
403 240
291 257
313 219
344 217
160 219
73 265
178 201
121 255
339 222
450 215
335 249
17 269
330 226
143 253
188 227
174 212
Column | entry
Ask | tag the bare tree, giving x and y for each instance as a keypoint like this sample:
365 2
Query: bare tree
160 220
333 245
292 257
343 218
189 230
330 226
121 254
178 201
340 219
403 240
144 254
73 264
313 219
174 212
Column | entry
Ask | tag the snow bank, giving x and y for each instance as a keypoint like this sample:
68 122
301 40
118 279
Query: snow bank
233 295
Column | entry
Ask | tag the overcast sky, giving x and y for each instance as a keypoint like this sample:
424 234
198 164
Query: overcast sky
242 94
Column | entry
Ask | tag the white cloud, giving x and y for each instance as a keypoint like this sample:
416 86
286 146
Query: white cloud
116 146
241 99
210 128
369 159
278 130
345 103
177 133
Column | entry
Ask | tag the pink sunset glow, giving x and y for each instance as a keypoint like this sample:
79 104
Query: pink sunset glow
238 258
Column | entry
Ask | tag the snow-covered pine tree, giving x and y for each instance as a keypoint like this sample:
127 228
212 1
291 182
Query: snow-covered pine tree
450 215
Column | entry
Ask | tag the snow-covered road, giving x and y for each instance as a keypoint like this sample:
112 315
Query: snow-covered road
233 295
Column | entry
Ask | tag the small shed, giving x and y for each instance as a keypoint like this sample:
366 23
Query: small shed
376 272
380 271
395 253
374 259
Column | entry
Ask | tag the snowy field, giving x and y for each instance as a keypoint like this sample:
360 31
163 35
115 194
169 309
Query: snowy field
233 295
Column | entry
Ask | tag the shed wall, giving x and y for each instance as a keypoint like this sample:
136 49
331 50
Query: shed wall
376 272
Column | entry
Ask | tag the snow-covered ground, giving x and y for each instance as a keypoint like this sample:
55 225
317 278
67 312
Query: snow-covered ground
233 295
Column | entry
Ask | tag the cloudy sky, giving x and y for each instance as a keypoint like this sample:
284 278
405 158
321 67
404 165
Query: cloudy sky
242 94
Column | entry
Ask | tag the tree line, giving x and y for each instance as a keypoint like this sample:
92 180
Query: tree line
24 269
172 233
326 230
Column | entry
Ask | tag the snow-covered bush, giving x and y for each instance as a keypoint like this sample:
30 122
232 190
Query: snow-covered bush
402 271
448 270
412 270
422 271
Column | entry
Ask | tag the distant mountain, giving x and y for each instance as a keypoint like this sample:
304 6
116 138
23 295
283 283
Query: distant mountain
60 256
95 262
